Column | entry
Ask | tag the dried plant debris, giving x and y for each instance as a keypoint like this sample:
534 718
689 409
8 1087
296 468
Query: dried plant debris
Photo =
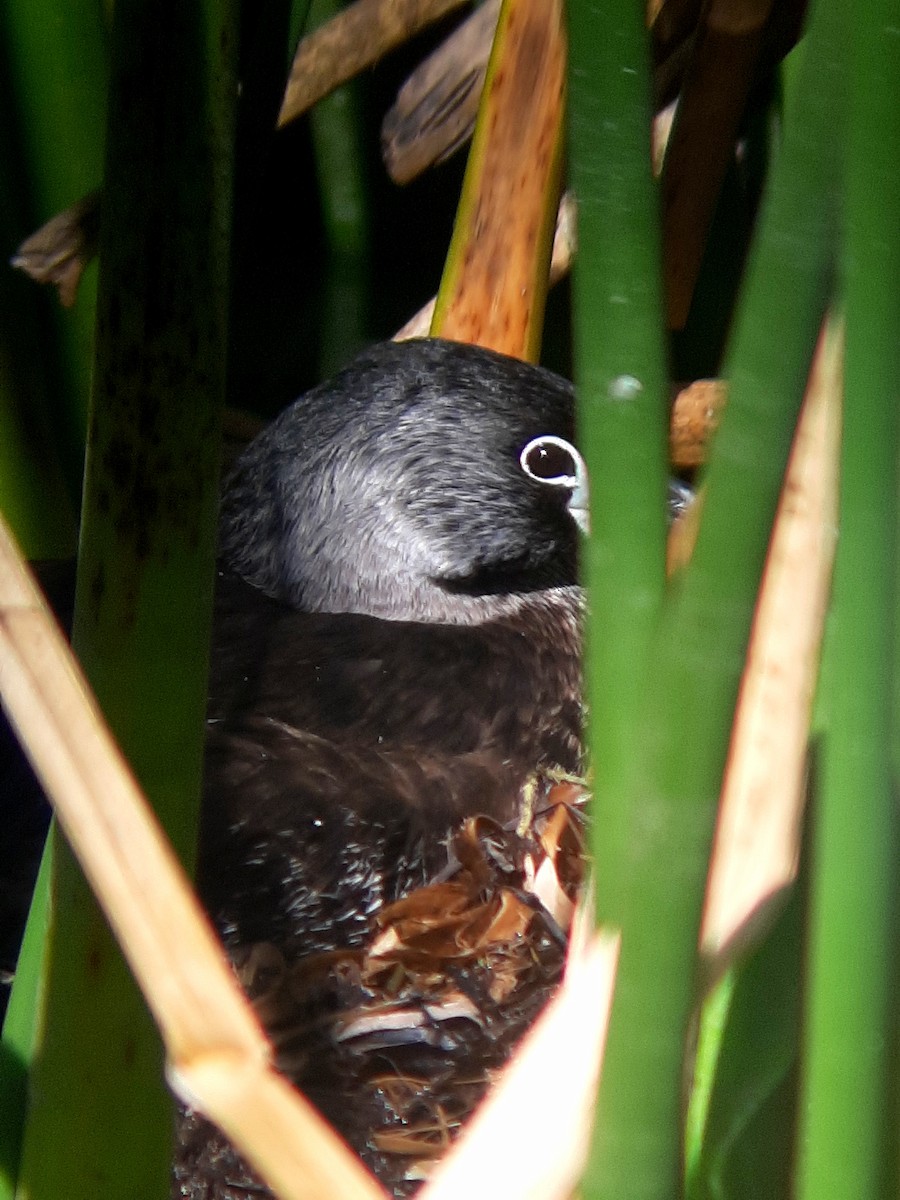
397 1040
434 113
59 251
353 40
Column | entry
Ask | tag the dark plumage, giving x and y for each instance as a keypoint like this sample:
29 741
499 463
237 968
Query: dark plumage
396 648
397 639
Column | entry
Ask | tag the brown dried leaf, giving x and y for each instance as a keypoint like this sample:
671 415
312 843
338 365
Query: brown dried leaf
349 43
435 110
60 250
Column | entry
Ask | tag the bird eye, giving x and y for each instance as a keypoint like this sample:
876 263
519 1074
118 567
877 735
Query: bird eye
552 460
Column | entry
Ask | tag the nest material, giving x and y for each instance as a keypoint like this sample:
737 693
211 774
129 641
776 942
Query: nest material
398 1040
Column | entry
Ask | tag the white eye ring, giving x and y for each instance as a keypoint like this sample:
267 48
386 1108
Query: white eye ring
575 478
541 447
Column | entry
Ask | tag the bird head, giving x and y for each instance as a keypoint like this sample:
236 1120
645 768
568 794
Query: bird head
429 480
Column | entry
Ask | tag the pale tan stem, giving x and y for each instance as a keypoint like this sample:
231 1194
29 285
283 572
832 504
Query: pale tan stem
757 838
217 1051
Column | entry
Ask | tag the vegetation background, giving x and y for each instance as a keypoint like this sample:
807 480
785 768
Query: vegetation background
240 265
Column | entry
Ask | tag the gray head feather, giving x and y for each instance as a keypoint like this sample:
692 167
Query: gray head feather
396 489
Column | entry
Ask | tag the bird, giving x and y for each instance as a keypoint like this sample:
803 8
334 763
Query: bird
397 627
396 651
